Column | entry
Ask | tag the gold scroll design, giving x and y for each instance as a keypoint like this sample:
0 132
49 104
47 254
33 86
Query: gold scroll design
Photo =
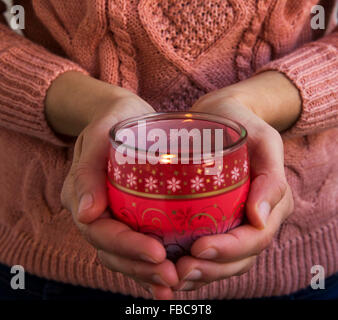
214 224
206 221
173 240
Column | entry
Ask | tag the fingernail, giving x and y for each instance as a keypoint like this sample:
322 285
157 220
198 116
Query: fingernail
186 286
210 253
193 275
158 280
147 258
264 212
86 202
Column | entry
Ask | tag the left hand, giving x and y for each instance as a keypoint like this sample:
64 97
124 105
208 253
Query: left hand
270 199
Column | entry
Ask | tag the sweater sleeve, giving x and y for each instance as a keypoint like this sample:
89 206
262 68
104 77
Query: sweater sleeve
26 72
313 69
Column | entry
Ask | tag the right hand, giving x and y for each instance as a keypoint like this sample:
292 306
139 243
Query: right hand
84 191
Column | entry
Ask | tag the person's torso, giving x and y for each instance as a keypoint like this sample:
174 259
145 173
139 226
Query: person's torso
171 52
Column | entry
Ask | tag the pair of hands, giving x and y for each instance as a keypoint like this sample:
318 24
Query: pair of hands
212 257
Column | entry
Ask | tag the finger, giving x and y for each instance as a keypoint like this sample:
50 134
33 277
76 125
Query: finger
68 192
117 238
243 241
158 292
89 175
161 293
163 274
269 184
191 269
266 191
266 157
69 201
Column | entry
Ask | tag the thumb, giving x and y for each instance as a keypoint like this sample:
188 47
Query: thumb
90 175
269 184
266 191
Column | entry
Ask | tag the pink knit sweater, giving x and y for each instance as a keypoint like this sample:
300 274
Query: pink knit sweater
170 53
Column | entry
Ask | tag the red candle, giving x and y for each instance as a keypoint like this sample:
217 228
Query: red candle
178 176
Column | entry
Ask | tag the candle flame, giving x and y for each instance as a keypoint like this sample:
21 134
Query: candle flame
165 161
166 158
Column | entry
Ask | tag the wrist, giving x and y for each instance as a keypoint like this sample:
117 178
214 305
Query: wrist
271 96
73 99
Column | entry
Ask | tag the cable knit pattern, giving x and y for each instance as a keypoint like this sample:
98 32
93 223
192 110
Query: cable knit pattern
170 53
200 25
26 73
248 39
125 49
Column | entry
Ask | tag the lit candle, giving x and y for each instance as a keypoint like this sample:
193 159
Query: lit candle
182 200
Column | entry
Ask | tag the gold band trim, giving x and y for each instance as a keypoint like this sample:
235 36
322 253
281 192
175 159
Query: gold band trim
176 196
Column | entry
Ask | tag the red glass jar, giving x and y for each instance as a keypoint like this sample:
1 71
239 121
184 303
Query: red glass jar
163 183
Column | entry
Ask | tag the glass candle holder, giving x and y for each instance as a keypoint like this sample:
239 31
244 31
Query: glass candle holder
178 176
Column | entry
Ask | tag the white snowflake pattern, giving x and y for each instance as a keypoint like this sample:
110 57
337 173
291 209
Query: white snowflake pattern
117 174
218 179
151 183
235 173
131 179
173 184
245 166
197 183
